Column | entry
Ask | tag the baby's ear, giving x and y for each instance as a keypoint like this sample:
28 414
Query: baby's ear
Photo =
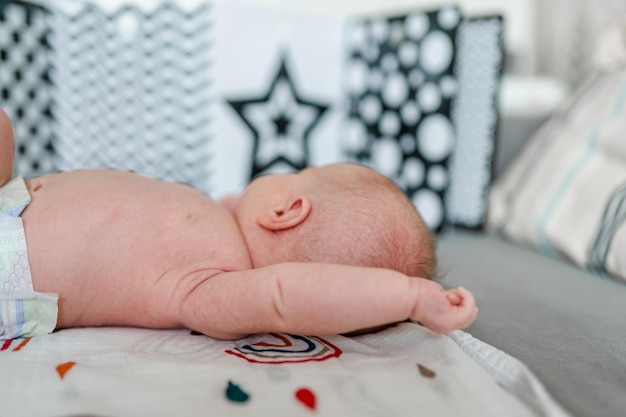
291 214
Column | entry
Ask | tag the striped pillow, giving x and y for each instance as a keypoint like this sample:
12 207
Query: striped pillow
565 194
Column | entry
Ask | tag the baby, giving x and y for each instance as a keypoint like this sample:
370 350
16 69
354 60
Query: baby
327 250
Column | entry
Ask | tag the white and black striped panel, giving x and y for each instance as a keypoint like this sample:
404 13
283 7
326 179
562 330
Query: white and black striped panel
475 116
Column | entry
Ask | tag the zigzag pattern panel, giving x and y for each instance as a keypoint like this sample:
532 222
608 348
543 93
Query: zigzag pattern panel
132 90
25 92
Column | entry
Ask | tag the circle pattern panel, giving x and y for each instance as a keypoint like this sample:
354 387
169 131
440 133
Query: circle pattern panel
400 72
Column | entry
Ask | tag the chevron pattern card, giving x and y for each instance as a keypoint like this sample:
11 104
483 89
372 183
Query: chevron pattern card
401 84
278 94
475 116
133 87
25 89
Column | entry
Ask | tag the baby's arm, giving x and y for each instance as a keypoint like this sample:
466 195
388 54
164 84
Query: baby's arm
6 148
306 298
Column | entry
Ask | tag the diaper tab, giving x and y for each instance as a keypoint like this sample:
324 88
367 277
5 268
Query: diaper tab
27 314
14 197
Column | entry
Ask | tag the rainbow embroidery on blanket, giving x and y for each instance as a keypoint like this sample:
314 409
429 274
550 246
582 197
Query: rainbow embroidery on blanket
275 349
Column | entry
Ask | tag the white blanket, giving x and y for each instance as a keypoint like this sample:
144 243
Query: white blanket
404 370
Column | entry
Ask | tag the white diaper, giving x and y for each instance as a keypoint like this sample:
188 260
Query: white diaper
14 267
23 312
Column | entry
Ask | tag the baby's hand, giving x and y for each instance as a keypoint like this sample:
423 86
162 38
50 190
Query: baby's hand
444 310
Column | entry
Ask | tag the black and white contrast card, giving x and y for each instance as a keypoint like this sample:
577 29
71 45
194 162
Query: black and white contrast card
401 84
278 89
133 88
25 89
475 116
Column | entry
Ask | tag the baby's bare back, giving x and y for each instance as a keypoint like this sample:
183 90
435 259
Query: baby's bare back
120 248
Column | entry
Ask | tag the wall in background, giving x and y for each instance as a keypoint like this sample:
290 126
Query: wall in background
519 16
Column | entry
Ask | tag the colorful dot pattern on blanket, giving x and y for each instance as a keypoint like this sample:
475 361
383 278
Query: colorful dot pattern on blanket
236 394
6 345
398 371
307 398
64 368
425 372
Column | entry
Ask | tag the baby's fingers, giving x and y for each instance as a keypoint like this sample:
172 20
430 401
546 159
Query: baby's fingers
468 304
463 301
461 297
454 298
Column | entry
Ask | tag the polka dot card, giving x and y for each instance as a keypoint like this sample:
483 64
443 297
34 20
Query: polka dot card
25 88
401 84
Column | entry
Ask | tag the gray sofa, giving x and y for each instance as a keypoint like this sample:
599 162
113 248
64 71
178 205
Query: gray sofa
567 325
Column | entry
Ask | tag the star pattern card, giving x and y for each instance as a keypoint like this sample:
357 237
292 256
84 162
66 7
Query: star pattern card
475 116
401 84
281 122
25 89
133 89
278 94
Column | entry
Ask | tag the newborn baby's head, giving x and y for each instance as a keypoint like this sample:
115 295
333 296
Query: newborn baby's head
341 213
